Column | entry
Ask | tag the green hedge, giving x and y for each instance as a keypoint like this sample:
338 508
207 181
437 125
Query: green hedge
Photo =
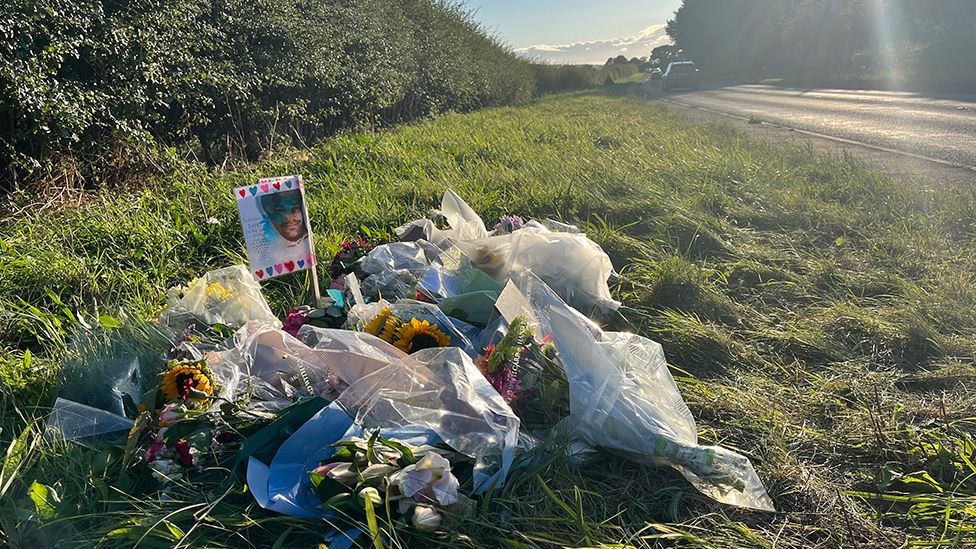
91 87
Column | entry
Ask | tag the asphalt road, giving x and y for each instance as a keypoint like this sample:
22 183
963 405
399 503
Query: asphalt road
937 127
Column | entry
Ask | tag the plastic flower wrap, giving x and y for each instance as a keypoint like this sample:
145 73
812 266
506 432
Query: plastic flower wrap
349 254
412 325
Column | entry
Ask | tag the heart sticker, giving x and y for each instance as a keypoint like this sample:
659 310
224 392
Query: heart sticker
276 185
264 188
288 184
269 271
254 191
242 192
301 263
278 268
259 274
290 265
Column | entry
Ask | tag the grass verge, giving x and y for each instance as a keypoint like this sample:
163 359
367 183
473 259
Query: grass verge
818 318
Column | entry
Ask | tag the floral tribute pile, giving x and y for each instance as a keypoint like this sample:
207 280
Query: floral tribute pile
432 363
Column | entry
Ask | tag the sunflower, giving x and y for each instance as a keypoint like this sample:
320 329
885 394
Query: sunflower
376 324
384 325
181 377
390 329
416 335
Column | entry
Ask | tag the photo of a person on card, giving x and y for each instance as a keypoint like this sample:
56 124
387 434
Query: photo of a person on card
285 213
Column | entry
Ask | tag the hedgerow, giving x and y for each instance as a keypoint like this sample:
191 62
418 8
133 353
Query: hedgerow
91 89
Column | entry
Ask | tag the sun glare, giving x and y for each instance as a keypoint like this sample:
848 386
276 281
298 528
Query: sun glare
888 33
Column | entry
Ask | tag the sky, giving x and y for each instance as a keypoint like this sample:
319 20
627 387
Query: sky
577 31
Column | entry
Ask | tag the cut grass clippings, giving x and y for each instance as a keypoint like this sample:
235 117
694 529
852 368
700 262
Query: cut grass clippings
817 315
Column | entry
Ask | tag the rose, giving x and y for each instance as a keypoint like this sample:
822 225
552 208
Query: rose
153 452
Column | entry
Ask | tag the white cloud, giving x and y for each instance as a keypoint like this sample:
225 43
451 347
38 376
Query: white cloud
597 52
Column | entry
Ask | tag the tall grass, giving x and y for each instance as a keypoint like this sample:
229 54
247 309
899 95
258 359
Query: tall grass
817 317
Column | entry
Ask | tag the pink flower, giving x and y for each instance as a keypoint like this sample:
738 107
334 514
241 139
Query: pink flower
171 413
153 452
505 382
338 471
296 319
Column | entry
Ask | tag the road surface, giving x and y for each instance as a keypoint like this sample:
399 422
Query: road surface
940 128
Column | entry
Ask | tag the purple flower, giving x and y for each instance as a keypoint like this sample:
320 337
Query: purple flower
505 382
509 224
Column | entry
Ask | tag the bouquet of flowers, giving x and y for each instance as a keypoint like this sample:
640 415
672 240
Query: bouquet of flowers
409 333
528 375
184 428
376 476
349 254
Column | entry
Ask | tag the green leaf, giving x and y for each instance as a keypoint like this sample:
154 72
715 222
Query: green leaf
343 454
370 454
327 488
920 482
16 457
174 531
374 529
109 322
45 499
407 457
338 501
183 429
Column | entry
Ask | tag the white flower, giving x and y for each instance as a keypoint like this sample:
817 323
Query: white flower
372 493
430 480
377 470
426 518
166 470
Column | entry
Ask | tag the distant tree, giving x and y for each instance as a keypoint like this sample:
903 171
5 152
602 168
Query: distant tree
662 55
731 36
825 38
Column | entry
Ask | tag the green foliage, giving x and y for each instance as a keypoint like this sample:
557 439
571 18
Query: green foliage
562 78
90 88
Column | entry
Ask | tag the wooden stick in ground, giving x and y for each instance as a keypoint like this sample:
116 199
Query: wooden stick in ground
316 292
